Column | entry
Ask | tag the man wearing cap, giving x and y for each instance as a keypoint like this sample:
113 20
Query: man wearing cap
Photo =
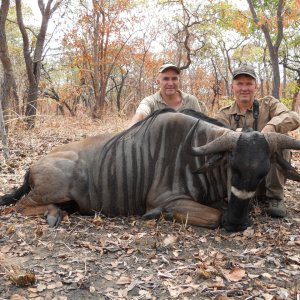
168 95
265 115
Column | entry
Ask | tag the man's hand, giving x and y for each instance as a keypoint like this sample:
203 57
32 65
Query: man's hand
268 128
139 116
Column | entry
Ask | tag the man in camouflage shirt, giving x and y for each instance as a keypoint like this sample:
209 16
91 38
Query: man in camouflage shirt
168 95
265 115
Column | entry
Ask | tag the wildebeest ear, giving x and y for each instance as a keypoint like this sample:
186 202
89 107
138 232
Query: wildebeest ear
212 161
287 169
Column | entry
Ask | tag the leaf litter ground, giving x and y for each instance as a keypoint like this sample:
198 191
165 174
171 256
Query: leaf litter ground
131 258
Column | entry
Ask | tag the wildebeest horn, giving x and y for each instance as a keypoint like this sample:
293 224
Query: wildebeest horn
279 141
225 142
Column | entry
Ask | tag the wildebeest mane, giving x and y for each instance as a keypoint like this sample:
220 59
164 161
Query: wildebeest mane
202 116
141 123
152 117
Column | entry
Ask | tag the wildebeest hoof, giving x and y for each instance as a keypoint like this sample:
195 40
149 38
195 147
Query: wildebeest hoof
154 213
168 215
235 227
53 215
53 221
158 212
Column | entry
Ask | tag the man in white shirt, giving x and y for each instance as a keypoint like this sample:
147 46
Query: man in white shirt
168 95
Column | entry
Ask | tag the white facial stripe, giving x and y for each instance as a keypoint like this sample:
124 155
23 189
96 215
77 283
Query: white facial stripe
241 194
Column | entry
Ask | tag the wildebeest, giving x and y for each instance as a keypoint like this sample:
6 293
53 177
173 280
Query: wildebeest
171 163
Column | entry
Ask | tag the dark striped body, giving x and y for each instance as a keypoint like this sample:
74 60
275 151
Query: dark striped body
147 167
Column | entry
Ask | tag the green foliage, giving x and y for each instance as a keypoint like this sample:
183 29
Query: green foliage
226 101
287 102
268 6
250 54
291 89
226 16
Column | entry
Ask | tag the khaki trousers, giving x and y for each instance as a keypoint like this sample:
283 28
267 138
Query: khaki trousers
273 184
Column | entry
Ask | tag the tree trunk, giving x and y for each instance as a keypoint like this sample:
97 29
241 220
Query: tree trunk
5 92
31 105
295 96
295 107
284 82
273 48
8 85
33 66
3 134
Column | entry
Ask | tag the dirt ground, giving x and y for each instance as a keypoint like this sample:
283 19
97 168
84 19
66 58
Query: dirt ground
131 258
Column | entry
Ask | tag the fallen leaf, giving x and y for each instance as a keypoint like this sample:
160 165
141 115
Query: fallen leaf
17 297
41 287
252 276
249 232
175 291
221 297
203 239
148 278
151 223
10 229
266 275
97 221
114 264
145 294
51 286
169 240
267 296
295 258
5 249
203 273
236 274
39 231
215 284
218 239
124 280
108 277
165 275
122 293
132 285
130 251
22 279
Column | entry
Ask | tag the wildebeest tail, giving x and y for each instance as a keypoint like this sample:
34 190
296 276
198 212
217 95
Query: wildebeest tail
16 195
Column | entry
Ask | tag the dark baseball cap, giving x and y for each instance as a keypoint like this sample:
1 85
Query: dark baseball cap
167 66
244 70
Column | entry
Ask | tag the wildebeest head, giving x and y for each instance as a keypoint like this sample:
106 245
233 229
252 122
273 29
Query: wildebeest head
249 157
248 163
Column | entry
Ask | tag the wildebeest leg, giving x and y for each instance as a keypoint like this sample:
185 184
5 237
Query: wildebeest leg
56 179
194 213
53 213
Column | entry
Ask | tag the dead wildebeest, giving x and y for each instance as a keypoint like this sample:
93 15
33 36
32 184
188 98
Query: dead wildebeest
170 163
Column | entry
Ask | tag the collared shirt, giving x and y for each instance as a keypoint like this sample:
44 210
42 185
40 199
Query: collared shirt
271 112
155 102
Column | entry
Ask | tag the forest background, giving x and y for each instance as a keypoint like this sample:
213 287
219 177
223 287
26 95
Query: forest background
99 56
75 68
